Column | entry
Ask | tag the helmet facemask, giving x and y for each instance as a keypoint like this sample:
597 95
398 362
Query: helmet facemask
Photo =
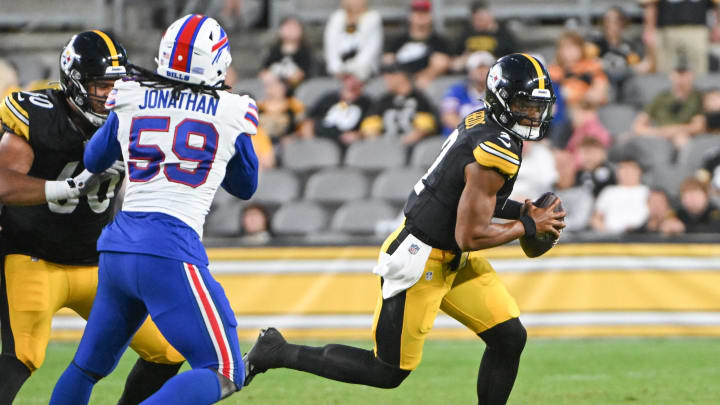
91 95
530 115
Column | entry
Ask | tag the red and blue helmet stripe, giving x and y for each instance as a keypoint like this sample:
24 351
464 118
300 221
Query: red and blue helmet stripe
181 56
220 46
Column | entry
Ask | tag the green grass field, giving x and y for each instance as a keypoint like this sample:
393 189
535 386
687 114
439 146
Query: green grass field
607 371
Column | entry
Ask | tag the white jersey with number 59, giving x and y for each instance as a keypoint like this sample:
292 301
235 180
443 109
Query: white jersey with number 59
176 149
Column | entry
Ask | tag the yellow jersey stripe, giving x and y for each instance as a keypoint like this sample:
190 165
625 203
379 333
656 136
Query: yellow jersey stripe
501 150
538 70
424 121
17 107
114 55
489 160
11 119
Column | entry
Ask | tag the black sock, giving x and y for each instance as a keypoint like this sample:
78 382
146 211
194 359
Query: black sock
144 379
344 363
13 374
500 361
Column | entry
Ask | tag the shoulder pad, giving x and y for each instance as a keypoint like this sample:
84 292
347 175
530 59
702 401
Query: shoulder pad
495 148
17 109
120 95
249 113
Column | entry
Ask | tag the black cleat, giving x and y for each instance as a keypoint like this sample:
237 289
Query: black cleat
265 354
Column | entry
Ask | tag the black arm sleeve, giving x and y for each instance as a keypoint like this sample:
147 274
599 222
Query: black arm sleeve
509 210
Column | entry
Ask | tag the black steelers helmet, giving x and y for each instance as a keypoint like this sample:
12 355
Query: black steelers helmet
90 56
520 96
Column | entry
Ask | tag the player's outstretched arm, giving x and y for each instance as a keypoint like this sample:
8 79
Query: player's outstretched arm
16 187
103 150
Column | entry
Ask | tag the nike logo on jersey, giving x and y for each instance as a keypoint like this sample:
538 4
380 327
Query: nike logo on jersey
503 136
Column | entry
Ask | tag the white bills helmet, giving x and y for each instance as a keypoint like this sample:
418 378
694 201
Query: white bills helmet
194 49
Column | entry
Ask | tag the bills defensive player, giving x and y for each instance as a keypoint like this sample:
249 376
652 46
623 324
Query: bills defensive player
181 136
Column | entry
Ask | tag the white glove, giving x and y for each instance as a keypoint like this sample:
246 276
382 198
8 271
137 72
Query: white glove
81 184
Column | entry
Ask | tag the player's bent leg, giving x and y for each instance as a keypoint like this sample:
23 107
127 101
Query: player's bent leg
336 362
29 296
158 362
116 315
193 313
499 365
480 301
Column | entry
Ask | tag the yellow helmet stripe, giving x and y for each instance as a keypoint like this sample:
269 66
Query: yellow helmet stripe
538 69
114 55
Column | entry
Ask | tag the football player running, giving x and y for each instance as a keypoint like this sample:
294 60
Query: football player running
53 213
429 262
181 136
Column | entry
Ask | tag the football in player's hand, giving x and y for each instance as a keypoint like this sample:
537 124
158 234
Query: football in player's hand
542 242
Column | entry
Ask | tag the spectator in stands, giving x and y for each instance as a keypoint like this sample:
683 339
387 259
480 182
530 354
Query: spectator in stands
255 230
696 211
711 111
9 81
674 114
622 207
661 217
620 56
537 173
586 124
594 172
338 114
264 150
577 200
466 96
290 58
483 33
280 114
421 51
353 40
403 111
582 81
674 27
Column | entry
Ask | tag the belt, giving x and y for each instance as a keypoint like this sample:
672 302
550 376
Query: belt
453 257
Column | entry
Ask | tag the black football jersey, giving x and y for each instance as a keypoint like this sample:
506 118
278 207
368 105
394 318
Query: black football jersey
65 232
431 209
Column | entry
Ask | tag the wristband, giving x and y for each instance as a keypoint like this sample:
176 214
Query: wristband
58 190
529 225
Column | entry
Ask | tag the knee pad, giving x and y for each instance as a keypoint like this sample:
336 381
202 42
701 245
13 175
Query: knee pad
510 334
227 386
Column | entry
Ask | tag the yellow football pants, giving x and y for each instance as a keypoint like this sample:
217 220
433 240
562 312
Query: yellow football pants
473 294
34 290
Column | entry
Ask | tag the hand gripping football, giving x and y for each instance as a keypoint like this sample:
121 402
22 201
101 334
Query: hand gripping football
542 242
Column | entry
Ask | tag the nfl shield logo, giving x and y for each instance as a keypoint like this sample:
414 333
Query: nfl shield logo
414 249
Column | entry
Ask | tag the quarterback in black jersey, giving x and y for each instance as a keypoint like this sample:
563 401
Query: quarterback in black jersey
53 212
430 262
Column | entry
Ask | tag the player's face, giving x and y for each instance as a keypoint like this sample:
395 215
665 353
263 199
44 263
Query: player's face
528 112
98 91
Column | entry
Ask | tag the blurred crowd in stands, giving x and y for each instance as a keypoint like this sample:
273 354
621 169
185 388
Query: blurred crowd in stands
346 129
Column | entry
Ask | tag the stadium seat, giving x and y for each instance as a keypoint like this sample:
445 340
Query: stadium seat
307 154
336 186
277 186
426 151
310 91
669 178
649 151
708 82
360 217
640 90
224 216
395 184
375 154
251 87
437 89
692 155
617 118
299 218
375 88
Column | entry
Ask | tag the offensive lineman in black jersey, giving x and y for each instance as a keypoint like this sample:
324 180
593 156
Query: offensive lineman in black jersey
425 265
53 214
